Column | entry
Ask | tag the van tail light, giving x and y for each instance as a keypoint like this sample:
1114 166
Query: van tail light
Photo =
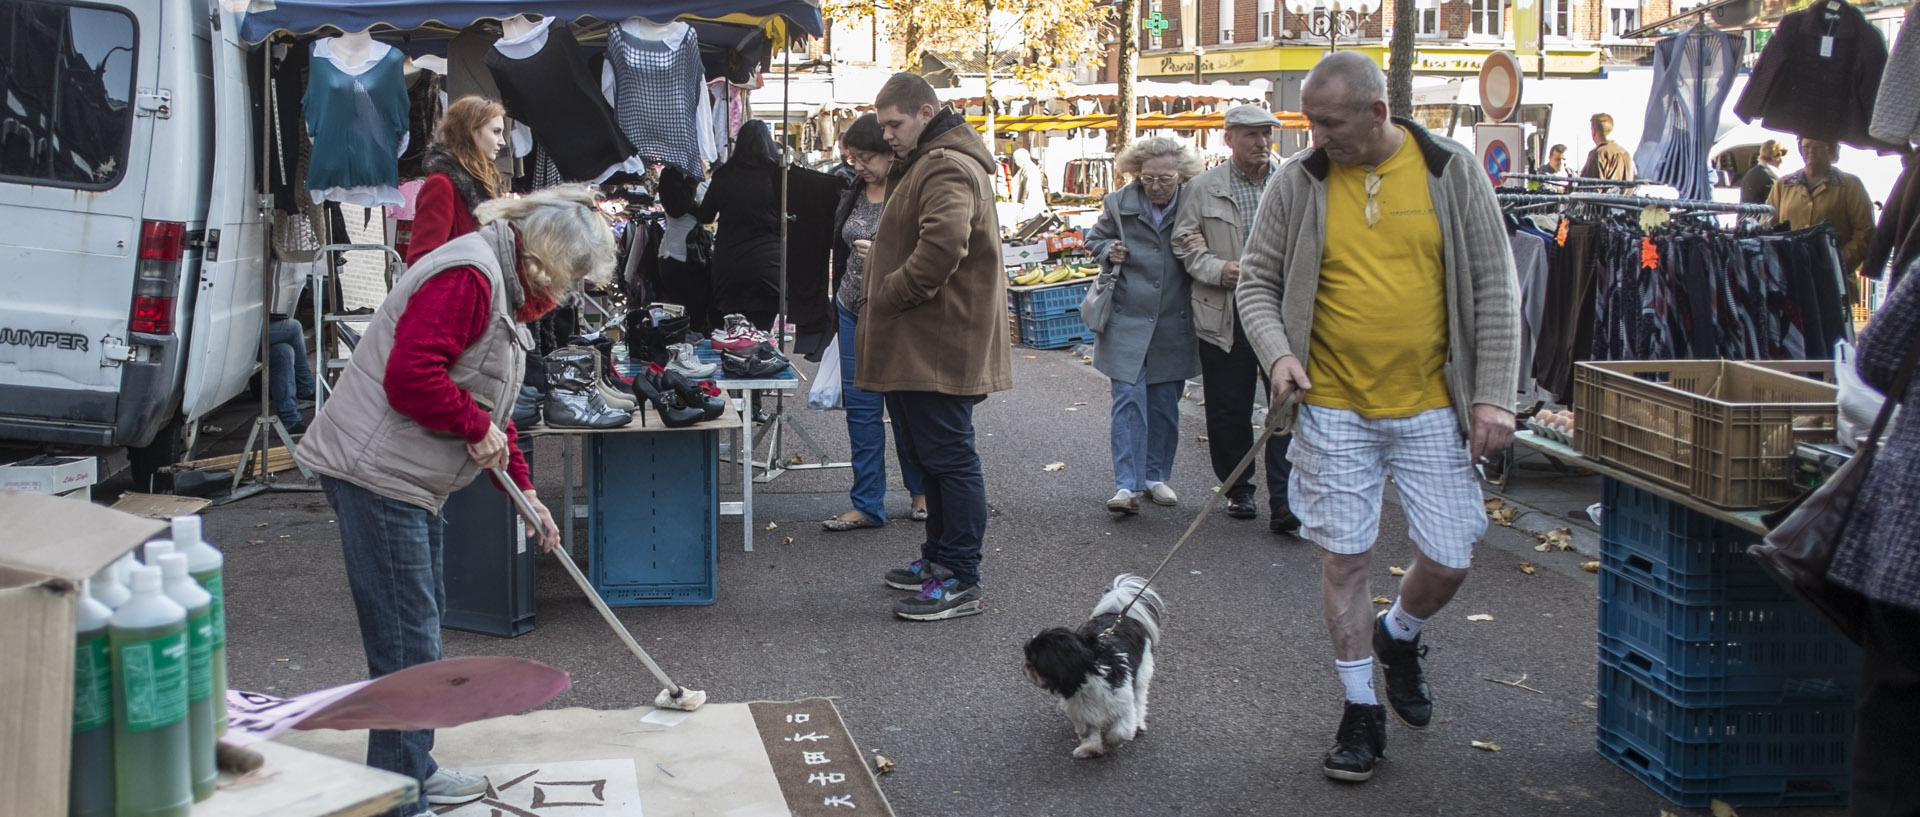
157 279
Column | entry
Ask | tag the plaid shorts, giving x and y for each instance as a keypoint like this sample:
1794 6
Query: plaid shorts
1341 461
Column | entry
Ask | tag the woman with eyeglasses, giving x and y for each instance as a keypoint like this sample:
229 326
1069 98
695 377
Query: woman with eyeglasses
1148 347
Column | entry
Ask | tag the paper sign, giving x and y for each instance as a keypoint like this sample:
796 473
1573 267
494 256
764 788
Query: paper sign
434 695
564 789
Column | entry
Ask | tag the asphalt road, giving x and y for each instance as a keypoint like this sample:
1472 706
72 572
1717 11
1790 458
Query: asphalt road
1245 703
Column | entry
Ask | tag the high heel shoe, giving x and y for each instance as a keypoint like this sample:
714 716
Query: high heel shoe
690 394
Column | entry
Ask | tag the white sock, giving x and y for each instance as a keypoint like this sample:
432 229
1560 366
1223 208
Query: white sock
1357 676
1401 624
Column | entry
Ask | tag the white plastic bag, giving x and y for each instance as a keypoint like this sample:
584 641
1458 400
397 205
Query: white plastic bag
1859 402
824 395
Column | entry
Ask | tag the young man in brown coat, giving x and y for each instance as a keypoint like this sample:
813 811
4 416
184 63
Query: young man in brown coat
933 336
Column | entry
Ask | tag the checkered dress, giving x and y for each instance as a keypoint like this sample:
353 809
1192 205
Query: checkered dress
656 97
1246 195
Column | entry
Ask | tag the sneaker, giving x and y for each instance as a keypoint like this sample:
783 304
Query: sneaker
682 359
1406 682
1162 494
915 576
940 599
1280 519
448 788
759 361
1124 501
1360 743
738 333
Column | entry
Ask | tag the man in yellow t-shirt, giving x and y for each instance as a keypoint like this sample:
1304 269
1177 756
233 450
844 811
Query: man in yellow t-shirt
1377 284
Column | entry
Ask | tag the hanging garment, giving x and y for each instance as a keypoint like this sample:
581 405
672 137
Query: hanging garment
424 110
1530 262
744 196
543 80
278 107
659 97
1894 243
1896 110
357 118
468 75
1693 72
813 198
1819 75
1566 324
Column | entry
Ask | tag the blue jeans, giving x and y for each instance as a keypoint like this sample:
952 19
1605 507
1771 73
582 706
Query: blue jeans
938 430
1145 432
289 378
393 556
867 432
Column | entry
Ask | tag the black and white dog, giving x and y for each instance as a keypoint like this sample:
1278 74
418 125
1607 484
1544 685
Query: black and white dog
1102 678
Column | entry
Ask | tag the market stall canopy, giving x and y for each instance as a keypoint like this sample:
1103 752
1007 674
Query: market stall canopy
1106 121
303 17
970 92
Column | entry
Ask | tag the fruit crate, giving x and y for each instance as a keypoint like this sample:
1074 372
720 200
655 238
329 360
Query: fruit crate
1056 332
1719 430
1049 300
1687 553
1790 755
1755 644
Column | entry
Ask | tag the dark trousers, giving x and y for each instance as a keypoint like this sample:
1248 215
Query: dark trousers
1231 377
936 431
1885 755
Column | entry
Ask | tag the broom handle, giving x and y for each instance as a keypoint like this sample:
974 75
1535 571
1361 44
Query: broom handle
525 506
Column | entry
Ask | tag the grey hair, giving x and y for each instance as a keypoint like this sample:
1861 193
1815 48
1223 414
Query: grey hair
1153 147
1364 81
563 237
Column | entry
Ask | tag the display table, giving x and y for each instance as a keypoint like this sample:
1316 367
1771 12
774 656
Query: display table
1745 520
298 783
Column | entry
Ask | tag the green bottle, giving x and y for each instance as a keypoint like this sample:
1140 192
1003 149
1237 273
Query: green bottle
206 565
152 774
187 593
90 772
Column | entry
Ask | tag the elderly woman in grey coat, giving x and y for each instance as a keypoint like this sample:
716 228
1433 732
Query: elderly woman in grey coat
1148 347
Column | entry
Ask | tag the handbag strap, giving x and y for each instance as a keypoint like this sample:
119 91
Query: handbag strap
1901 379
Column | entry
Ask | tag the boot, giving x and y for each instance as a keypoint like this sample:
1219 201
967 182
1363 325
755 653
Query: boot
575 401
666 403
690 395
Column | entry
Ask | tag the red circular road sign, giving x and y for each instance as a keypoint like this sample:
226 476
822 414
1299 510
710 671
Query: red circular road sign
1499 86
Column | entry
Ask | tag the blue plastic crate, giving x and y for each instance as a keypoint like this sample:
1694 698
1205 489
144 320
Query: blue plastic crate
1670 542
1051 302
1757 645
1745 755
653 517
1054 333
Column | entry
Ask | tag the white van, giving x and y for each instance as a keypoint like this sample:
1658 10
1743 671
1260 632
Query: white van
131 234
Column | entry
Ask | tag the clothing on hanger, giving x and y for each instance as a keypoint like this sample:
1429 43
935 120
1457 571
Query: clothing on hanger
357 117
1896 108
1819 75
1693 73
659 95
544 82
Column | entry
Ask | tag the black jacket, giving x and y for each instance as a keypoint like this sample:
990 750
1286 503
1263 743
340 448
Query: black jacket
1796 90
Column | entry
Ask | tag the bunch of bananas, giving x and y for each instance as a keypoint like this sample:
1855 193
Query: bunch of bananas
1055 274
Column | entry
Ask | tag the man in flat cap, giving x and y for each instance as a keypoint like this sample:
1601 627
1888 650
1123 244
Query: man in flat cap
1208 233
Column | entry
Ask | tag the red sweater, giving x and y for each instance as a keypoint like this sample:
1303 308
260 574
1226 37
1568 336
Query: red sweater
446 315
439 216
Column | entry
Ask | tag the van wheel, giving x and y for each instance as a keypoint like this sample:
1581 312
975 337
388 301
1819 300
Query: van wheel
169 446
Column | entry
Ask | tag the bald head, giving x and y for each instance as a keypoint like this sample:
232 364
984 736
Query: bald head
1351 75
1345 102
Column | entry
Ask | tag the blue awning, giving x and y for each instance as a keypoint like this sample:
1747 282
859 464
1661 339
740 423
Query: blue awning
302 17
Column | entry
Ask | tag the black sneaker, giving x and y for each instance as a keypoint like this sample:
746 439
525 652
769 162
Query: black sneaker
1241 507
1360 743
940 599
915 576
1406 682
1280 519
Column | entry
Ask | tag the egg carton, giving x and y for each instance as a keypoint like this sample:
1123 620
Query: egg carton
1548 432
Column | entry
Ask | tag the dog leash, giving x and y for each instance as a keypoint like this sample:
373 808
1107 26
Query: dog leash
1266 433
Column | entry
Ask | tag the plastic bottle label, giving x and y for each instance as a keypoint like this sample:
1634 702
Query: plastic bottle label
92 685
153 681
213 584
200 657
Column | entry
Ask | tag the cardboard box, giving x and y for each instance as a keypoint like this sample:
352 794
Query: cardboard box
1064 243
1014 254
61 475
52 543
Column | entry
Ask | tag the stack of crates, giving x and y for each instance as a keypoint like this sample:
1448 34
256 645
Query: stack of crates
1715 683
1049 315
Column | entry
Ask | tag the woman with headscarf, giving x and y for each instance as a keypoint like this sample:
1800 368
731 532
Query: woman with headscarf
745 196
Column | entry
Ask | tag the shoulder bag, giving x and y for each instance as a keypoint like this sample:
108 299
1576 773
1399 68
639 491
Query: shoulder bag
1798 551
1097 307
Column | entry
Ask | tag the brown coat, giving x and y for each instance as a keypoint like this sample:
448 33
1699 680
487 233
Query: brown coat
1609 161
936 312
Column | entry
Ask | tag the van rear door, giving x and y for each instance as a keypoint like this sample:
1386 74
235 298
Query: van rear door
76 124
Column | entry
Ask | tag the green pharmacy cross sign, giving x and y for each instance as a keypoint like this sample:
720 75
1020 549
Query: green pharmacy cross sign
1157 24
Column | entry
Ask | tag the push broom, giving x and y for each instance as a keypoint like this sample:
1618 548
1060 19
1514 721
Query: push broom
674 696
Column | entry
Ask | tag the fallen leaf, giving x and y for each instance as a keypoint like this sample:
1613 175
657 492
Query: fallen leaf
1382 600
1070 408
1054 466
281 660
1032 357
1495 504
771 526
786 540
1504 516
882 765
1479 617
1200 438
1561 538
1527 568
261 525
1590 567
1396 571
1720 808
1485 746
1080 402
795 460
1543 547
256 541
286 536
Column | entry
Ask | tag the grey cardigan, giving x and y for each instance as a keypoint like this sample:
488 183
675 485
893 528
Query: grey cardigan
1280 270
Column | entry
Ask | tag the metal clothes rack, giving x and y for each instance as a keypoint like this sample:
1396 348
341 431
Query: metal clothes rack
1577 181
1634 202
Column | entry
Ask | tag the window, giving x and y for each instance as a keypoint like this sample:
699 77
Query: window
1557 20
1426 20
67 110
1266 25
1620 21
1226 21
1487 17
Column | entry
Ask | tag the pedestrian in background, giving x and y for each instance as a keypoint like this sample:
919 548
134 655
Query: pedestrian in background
744 196
1379 288
461 173
933 335
1215 214
1757 185
1607 160
1148 348
854 225
1821 192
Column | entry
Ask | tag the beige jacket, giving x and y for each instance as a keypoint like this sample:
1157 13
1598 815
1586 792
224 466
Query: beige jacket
1280 271
359 438
1207 208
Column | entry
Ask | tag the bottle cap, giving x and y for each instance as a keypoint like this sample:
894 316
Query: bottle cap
173 566
144 579
186 530
154 550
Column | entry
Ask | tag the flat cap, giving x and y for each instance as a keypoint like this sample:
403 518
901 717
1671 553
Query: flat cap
1252 116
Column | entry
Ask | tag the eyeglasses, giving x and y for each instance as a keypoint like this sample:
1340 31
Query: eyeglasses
1159 181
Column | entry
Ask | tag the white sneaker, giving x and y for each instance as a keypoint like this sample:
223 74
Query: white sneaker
684 361
447 787
1163 494
1124 501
